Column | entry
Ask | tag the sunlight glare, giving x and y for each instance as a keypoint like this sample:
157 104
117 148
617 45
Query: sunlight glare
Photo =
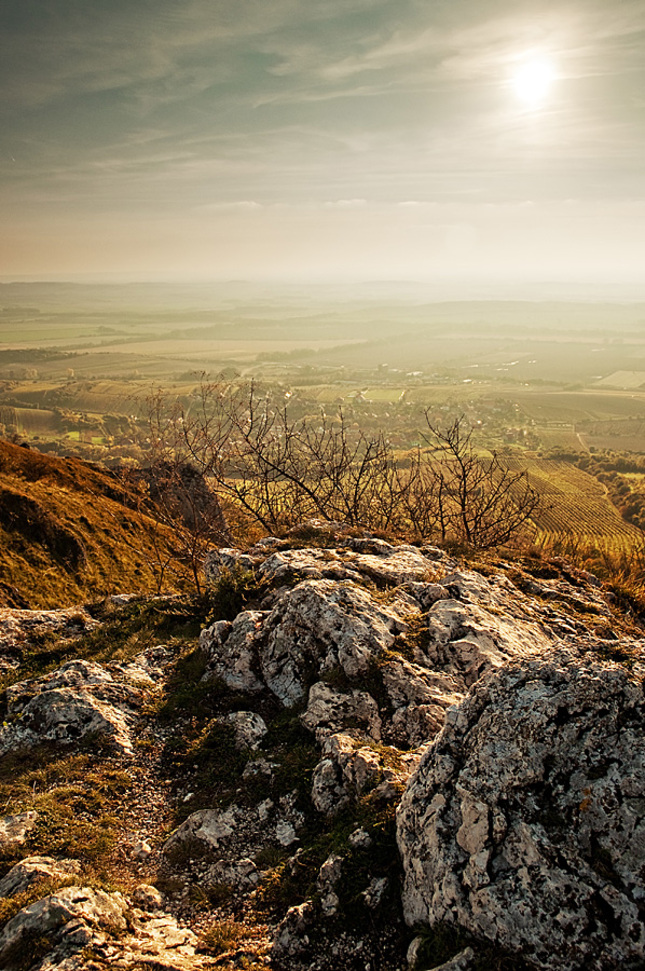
532 81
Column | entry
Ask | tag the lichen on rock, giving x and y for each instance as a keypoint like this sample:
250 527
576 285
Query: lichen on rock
524 823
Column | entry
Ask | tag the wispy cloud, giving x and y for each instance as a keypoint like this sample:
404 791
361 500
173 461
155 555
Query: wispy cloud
231 109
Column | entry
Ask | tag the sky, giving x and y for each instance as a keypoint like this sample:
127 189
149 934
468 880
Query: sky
323 140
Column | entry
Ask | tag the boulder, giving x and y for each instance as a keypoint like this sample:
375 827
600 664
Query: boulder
249 729
314 627
36 869
79 698
329 712
466 640
73 917
350 767
232 651
524 822
67 929
321 625
360 560
292 934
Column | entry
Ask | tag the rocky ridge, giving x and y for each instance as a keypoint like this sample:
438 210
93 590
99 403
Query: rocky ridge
252 775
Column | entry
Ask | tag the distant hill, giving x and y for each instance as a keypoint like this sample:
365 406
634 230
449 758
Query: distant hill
66 533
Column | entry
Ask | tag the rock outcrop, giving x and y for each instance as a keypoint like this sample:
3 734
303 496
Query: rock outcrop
79 698
257 772
525 821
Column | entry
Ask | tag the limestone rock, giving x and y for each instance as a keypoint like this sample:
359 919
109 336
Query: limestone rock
349 768
249 729
226 558
524 823
330 872
20 628
291 936
361 559
284 566
147 897
320 625
466 640
240 874
148 668
76 924
73 916
375 892
78 698
330 711
232 650
236 832
209 827
15 829
36 869
420 698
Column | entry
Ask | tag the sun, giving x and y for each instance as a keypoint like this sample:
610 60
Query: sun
532 81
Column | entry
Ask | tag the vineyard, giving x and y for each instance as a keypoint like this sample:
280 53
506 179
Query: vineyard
575 506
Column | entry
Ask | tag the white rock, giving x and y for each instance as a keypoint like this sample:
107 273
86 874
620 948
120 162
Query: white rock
360 839
15 829
79 698
330 711
141 850
233 651
227 558
374 894
285 833
75 913
249 728
524 821
36 869
147 897
330 872
320 625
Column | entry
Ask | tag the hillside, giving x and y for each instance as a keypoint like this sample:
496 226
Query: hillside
66 534
357 755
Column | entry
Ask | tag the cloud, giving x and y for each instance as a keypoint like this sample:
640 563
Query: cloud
328 110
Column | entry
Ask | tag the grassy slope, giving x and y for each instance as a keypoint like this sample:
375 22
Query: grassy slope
64 534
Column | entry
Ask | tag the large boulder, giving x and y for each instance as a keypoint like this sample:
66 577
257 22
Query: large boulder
524 822
317 626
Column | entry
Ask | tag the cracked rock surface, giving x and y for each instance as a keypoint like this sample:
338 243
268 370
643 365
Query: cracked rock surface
238 782
79 698
525 821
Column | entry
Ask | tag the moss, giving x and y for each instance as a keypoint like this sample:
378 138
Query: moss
444 941
73 795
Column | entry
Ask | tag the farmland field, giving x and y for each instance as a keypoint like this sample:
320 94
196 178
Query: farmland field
78 364
575 505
